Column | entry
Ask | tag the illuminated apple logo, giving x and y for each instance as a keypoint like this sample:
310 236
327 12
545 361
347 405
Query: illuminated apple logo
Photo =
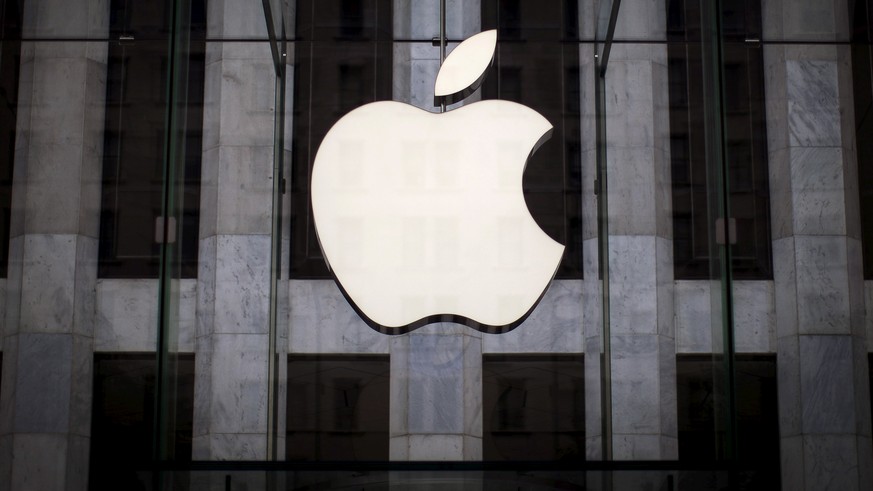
421 216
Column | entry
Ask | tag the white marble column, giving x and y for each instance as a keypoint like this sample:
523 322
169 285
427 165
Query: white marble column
640 239
233 284
824 400
436 394
436 371
45 409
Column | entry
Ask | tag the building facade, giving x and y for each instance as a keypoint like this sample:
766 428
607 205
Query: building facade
168 319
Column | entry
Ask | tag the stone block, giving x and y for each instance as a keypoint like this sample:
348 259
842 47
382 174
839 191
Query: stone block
822 287
322 321
39 461
754 317
555 326
43 383
813 109
242 284
827 397
632 285
238 384
817 200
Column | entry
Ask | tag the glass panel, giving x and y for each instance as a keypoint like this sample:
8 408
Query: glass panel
124 416
533 408
338 408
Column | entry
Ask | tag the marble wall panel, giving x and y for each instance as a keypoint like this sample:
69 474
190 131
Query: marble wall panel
420 20
791 452
242 283
827 401
817 186
52 205
43 383
555 326
693 318
831 462
631 191
784 281
239 394
322 321
47 283
822 287
754 317
235 19
789 386
635 385
127 315
39 461
435 375
436 387
632 285
813 108
781 197
641 20
244 207
247 101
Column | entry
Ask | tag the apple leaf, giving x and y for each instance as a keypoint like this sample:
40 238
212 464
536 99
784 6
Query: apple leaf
464 69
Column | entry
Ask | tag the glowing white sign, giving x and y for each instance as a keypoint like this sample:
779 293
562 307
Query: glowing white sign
421 216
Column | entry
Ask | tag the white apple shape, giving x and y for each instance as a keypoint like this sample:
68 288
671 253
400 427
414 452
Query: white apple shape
421 216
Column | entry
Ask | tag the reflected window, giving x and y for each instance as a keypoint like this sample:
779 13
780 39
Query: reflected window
337 408
343 54
745 140
533 407
134 150
862 64
123 415
537 64
757 416
10 59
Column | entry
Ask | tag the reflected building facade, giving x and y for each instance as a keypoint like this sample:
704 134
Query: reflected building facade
163 288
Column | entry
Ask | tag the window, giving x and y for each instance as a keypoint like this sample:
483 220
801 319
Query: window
122 422
534 66
10 57
745 135
338 408
135 137
862 35
757 416
533 407
343 54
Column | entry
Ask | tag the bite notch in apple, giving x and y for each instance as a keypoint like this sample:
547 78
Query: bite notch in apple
421 216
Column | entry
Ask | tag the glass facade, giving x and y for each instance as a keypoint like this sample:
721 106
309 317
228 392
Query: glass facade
169 320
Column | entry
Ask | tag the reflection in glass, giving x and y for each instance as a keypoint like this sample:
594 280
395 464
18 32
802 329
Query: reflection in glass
337 408
10 56
123 417
535 68
135 139
533 407
745 135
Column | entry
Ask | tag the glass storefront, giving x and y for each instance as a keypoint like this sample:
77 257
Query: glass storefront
170 320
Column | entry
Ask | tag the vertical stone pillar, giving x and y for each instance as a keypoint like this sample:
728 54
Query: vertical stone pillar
824 401
640 239
45 409
233 283
592 291
436 394
436 371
